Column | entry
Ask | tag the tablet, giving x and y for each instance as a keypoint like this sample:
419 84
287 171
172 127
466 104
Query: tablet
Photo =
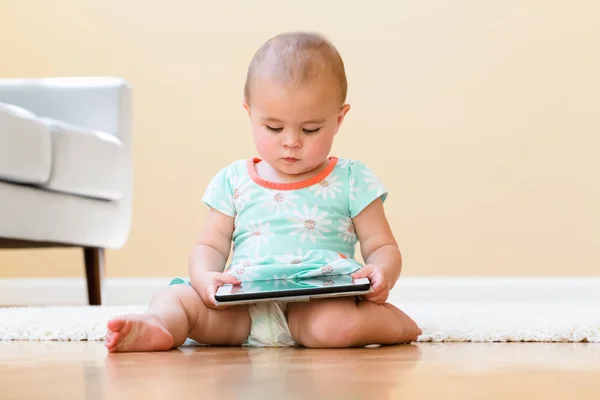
297 290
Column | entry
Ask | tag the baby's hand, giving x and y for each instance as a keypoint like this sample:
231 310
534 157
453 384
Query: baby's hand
379 283
210 282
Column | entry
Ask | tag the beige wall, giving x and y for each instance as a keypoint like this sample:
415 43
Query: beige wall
487 110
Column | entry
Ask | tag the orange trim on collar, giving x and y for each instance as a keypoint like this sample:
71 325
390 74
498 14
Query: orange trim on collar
289 186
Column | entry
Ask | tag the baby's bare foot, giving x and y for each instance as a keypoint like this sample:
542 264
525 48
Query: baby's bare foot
137 332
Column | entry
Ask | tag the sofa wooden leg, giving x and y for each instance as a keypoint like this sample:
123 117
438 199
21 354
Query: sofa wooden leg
94 272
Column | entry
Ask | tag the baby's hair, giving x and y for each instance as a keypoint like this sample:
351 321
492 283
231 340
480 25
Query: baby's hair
297 58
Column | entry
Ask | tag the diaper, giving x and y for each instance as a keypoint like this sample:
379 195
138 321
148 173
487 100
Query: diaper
269 326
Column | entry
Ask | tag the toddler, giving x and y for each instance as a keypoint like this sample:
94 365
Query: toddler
293 212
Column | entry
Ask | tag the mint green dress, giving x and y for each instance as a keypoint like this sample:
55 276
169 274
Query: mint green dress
295 230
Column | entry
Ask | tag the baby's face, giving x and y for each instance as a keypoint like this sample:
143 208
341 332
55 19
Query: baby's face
294 128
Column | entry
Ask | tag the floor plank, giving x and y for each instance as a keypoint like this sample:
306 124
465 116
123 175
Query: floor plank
83 370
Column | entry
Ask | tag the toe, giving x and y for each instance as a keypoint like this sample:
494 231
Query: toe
116 324
112 339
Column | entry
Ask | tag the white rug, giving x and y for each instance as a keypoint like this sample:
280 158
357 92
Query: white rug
456 322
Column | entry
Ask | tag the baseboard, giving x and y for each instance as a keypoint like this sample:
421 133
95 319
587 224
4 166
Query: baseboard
134 291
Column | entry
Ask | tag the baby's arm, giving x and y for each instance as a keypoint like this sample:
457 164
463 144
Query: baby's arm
210 254
379 249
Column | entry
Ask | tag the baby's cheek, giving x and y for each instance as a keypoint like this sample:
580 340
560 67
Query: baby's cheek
320 147
264 145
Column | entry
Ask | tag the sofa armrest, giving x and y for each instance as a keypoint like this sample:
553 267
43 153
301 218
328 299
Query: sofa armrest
96 103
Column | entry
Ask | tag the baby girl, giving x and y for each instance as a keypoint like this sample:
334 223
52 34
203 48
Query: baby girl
292 212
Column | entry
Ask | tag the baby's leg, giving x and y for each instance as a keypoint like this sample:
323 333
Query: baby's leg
176 313
343 322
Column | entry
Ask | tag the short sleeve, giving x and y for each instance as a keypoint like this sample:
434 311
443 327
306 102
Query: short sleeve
219 194
365 187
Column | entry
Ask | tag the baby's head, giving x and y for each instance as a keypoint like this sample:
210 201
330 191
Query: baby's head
295 95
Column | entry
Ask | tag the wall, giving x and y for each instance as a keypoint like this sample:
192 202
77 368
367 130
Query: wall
481 118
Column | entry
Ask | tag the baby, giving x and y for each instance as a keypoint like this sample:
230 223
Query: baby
294 212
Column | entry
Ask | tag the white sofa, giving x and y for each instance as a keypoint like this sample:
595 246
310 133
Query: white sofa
66 175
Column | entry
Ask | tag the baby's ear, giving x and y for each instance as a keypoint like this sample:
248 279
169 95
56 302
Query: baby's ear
344 110
246 106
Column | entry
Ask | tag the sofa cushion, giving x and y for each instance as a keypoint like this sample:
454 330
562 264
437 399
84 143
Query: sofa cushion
25 150
86 162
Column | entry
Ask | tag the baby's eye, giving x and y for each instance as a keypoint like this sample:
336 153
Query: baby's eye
311 131
273 129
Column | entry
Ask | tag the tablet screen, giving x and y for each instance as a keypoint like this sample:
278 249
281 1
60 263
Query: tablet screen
279 285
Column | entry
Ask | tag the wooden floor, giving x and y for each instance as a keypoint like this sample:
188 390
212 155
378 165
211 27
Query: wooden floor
82 370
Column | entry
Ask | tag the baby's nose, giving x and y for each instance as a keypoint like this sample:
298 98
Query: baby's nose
292 145
292 141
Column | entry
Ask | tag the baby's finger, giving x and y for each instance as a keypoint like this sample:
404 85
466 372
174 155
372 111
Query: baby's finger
363 272
225 278
376 285
372 297
383 296
378 295
376 291
377 298
210 291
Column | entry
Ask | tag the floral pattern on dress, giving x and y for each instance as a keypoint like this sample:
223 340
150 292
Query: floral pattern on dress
241 191
279 201
327 188
310 224
348 232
